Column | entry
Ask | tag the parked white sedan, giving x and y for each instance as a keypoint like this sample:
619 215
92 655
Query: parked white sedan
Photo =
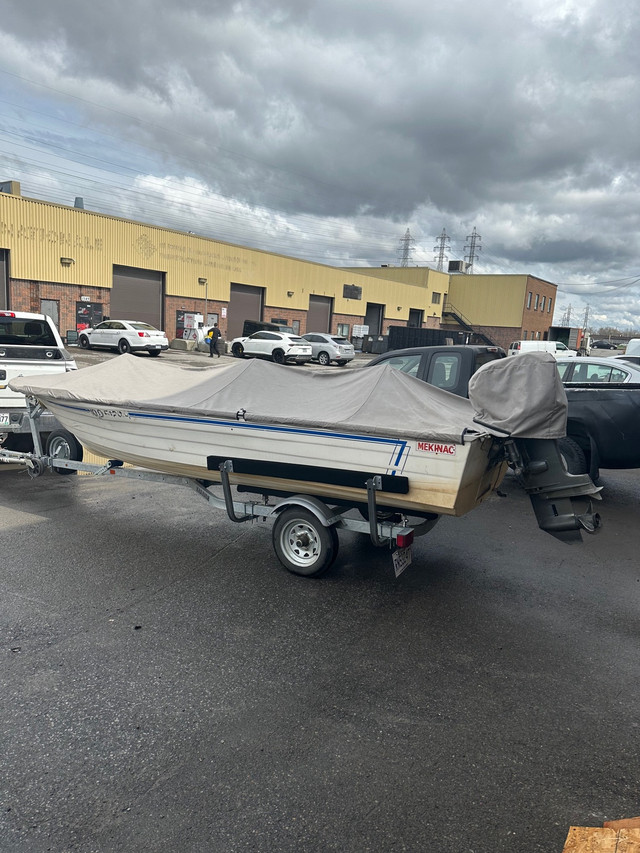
278 346
124 336
591 369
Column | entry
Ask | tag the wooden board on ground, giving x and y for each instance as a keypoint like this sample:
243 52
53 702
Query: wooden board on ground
599 839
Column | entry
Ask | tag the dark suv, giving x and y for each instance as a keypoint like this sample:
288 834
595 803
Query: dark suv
447 367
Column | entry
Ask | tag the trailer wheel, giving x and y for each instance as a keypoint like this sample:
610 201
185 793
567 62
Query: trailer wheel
63 445
573 456
303 544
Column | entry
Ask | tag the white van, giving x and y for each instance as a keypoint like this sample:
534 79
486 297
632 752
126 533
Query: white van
556 348
633 347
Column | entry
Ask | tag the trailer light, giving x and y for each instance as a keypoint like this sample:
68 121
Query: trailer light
403 540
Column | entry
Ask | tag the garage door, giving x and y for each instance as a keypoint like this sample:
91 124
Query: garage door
319 316
245 303
137 295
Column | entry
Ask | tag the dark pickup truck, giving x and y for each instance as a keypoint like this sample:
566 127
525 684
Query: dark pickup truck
603 419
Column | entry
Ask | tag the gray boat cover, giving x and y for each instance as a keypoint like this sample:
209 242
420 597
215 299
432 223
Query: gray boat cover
375 400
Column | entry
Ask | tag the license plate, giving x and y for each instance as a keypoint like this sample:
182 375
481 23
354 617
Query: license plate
4 418
401 559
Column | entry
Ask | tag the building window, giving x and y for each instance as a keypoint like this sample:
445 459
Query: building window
524 336
542 301
549 306
343 330
295 325
529 296
435 298
537 302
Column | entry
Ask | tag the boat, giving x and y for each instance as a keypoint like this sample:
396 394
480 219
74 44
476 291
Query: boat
284 430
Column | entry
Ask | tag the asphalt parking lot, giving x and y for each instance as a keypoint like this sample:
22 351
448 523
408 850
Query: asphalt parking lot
167 686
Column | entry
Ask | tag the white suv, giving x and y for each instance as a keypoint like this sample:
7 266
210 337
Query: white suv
30 344
278 346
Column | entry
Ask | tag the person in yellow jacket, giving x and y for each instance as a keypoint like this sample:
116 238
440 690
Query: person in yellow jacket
213 336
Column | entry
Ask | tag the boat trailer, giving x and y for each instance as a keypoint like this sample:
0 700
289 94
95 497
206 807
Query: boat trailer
305 537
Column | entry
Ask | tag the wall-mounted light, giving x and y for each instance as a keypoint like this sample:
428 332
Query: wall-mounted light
66 262
399 308
289 292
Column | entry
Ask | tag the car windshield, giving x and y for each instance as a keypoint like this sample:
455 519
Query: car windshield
144 327
16 331
296 340
341 341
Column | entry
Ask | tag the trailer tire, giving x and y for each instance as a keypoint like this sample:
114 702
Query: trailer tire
573 456
303 544
61 444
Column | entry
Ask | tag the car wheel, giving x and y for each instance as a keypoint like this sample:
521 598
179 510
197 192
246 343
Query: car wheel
237 350
303 544
278 356
324 359
61 444
84 342
154 352
124 346
573 456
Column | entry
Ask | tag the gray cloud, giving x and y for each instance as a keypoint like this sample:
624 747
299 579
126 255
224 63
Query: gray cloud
339 124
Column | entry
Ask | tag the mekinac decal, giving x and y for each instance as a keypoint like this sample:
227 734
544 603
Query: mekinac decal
437 448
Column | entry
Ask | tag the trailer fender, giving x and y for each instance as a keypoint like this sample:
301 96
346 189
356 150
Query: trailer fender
325 515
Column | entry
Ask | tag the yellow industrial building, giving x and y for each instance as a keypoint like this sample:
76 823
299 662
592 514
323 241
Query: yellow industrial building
80 266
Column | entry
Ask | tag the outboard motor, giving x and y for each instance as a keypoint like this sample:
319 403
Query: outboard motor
522 399
561 501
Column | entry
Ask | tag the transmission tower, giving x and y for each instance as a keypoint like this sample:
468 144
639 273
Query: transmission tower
566 317
474 247
406 247
441 247
585 322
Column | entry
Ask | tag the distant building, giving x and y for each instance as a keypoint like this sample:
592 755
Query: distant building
79 266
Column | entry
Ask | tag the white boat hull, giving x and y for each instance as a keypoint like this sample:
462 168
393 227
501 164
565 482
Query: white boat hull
418 475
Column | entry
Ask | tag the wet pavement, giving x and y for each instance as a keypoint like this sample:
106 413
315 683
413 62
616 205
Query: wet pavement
167 686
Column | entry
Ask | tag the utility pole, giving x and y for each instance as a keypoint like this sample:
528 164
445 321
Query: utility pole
474 247
406 244
441 246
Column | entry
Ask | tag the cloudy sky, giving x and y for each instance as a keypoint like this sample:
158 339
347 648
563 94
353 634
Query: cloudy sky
324 129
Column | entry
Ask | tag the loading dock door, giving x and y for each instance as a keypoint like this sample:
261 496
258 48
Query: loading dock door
373 318
137 295
245 303
319 315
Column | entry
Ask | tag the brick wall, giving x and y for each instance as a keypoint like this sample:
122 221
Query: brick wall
27 296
